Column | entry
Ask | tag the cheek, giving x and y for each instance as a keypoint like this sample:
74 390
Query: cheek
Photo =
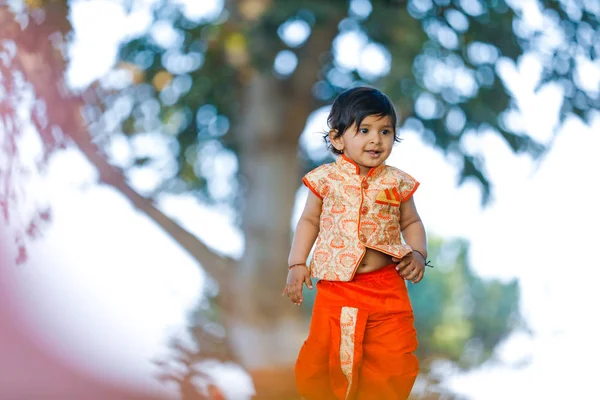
352 142
389 140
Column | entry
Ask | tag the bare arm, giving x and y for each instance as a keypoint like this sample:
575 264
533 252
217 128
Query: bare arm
304 238
412 227
306 230
412 266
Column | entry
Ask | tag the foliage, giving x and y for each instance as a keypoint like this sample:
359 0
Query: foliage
441 69
459 316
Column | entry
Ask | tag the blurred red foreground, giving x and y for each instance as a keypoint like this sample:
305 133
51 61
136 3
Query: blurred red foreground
28 370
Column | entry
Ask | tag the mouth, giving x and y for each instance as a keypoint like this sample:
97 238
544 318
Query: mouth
373 153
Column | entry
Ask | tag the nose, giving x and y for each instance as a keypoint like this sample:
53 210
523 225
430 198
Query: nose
376 138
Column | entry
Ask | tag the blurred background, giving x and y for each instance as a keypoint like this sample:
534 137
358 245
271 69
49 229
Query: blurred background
151 155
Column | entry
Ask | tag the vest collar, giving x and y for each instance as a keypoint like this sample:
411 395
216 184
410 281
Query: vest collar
351 168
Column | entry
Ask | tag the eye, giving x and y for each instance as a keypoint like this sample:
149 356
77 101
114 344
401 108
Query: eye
363 130
386 132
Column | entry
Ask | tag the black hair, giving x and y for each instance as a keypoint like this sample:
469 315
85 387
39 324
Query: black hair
353 106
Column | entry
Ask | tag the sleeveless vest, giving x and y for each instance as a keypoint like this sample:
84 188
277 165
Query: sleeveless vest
357 212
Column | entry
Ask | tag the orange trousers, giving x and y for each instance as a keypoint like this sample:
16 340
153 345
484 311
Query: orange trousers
361 342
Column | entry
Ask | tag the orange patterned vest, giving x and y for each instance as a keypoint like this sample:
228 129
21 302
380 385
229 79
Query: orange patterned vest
357 212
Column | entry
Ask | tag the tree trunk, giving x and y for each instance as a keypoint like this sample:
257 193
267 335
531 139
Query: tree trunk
266 329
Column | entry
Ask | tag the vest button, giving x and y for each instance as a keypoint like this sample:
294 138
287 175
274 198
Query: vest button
364 210
365 185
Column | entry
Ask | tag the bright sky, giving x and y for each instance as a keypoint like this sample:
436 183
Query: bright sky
116 295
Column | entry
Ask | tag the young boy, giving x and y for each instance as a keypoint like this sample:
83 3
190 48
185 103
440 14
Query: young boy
362 339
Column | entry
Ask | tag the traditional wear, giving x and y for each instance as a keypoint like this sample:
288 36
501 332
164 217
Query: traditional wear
362 338
357 212
361 342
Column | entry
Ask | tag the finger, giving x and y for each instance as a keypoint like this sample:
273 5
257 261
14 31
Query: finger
418 278
289 292
296 300
413 273
298 293
308 282
400 270
420 275
418 272
396 260
405 269
293 293
402 264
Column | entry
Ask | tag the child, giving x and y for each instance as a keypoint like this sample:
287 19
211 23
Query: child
362 338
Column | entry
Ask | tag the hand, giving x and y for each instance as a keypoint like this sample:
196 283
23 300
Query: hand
296 277
411 267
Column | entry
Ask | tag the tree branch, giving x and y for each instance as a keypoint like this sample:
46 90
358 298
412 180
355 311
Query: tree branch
43 66
219 267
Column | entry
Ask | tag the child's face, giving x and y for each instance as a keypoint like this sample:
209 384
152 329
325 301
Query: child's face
368 145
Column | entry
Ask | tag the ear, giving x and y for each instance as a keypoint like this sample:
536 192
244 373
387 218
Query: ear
336 141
